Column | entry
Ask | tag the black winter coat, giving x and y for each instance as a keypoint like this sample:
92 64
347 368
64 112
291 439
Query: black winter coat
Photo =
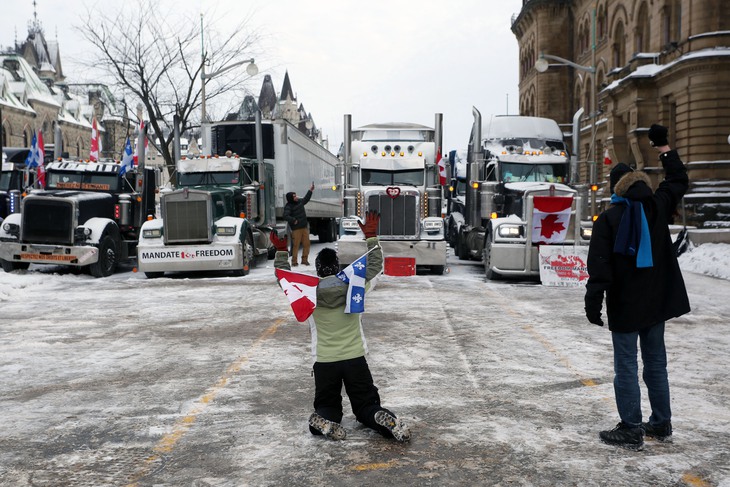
294 212
637 298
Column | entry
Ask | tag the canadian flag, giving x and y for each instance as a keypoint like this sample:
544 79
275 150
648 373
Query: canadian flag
135 158
441 162
606 158
94 154
551 218
301 290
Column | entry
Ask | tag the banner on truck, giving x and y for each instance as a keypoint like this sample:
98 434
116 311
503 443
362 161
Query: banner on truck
563 265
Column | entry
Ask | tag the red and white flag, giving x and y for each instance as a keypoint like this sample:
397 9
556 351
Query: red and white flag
606 157
41 161
301 290
94 154
441 162
551 218
135 158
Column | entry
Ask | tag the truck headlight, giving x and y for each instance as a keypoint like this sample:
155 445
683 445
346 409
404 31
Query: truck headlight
349 224
433 224
152 233
586 233
510 231
225 231
82 233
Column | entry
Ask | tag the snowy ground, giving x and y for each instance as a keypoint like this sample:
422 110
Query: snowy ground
205 381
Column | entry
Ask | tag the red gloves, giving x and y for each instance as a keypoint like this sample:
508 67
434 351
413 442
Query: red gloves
279 243
370 228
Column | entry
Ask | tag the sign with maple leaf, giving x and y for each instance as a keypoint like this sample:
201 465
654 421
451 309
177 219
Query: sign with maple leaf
551 219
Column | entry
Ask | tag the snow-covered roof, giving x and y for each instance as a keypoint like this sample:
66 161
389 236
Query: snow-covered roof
34 87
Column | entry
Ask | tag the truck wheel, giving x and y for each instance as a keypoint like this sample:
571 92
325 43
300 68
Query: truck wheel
248 258
438 269
451 234
487 258
9 266
461 249
153 275
108 258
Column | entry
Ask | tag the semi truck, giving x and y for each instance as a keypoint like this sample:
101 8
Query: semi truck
88 217
225 206
391 168
517 172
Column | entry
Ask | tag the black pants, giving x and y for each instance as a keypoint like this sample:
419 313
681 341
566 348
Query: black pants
364 397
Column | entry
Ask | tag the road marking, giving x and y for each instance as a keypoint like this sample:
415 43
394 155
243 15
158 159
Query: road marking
694 481
167 442
374 466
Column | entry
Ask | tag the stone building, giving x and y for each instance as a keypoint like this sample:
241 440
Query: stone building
35 95
642 61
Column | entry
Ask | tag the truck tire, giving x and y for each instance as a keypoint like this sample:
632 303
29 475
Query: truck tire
248 257
9 266
487 258
327 230
462 251
108 258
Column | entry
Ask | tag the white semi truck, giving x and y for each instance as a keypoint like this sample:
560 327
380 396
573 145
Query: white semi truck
226 205
391 168
513 163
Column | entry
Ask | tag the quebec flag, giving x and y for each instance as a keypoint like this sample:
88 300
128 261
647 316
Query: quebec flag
354 275
127 158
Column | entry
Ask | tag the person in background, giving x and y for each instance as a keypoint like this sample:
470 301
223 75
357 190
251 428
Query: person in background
339 347
632 261
296 217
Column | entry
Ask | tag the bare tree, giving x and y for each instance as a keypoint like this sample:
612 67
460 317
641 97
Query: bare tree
157 57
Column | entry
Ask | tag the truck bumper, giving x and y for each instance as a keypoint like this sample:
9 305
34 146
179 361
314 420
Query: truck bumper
516 260
182 258
426 252
48 254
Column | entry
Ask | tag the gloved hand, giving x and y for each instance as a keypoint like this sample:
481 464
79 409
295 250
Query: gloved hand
658 135
279 243
370 228
594 315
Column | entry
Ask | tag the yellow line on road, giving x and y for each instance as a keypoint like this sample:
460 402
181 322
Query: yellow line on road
167 443
374 466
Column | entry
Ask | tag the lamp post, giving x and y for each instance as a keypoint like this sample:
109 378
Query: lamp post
251 70
542 65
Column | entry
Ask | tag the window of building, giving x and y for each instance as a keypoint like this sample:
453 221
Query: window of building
619 45
601 22
642 30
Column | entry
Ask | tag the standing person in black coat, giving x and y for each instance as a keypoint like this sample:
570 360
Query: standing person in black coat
296 216
631 259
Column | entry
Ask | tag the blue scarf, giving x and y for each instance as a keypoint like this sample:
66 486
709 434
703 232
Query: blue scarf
633 236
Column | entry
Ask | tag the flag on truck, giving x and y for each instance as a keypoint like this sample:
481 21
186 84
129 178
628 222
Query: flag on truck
94 154
127 158
35 157
41 151
441 162
135 158
551 218
354 275
301 290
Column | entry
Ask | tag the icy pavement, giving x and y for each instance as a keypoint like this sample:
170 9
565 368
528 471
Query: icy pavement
207 382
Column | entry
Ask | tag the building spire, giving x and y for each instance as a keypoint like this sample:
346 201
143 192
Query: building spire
34 26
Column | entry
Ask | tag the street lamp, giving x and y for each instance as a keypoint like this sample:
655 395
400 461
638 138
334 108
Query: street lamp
542 65
251 70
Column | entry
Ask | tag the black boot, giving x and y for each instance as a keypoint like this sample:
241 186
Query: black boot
625 436
661 432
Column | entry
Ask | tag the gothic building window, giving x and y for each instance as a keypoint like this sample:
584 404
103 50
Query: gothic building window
671 22
601 22
642 30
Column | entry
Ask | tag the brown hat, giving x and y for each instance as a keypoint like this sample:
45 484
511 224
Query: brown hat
618 171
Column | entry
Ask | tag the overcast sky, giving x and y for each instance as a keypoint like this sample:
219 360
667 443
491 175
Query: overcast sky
381 61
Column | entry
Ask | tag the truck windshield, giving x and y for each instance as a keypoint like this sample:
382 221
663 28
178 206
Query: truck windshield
391 178
207 178
545 173
87 181
533 143
5 180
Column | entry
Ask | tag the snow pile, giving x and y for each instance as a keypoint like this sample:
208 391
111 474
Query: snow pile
711 259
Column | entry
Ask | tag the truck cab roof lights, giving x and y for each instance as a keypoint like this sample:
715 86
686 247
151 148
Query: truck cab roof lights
420 154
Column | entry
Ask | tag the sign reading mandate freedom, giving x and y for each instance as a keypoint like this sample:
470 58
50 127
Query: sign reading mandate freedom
188 253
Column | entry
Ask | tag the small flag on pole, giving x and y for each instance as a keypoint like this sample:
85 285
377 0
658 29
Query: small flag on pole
606 157
441 162
41 154
354 275
127 158
301 290
94 154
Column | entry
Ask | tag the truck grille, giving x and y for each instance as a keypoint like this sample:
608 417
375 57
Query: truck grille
48 221
398 216
186 221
